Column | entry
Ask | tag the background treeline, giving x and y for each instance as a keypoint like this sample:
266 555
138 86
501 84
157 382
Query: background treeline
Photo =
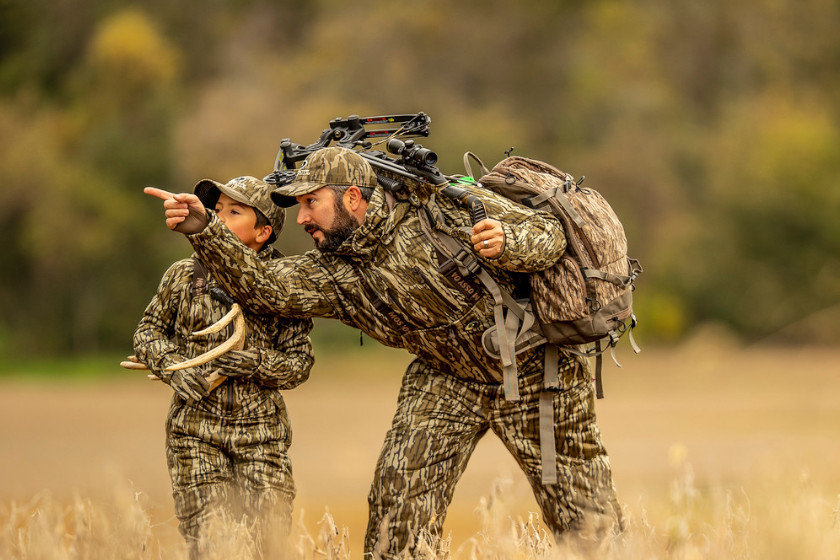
712 126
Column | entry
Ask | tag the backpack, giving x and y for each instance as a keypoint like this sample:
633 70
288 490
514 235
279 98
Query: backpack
587 296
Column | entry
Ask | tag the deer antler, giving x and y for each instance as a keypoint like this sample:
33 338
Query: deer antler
235 342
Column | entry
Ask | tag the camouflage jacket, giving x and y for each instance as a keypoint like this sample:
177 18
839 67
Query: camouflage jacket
385 279
163 338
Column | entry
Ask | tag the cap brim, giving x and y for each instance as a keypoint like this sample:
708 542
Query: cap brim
208 191
285 196
283 201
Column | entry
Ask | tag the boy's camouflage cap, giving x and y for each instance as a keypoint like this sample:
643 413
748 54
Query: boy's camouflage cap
247 190
328 166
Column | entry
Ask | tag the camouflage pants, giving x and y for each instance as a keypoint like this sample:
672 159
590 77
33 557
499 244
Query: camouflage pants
229 464
439 421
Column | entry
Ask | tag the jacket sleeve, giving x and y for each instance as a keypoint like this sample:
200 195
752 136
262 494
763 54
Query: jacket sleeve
155 339
294 287
287 363
534 239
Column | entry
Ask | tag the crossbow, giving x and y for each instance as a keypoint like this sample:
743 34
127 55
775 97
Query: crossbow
404 167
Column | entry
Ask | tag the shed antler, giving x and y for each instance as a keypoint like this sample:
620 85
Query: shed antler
235 342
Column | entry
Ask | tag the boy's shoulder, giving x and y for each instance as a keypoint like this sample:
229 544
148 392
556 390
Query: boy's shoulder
182 266
270 253
179 273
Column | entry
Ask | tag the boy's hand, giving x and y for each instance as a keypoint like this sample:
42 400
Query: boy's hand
238 363
184 212
189 383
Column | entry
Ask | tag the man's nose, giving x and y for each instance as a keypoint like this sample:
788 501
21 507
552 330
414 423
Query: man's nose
302 216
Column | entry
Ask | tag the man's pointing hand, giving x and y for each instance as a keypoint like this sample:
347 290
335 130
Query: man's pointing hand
184 211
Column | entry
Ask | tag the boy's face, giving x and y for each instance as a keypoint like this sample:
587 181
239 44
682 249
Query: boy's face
242 220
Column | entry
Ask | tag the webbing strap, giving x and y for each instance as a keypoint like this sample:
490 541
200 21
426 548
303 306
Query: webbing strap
199 281
548 450
599 385
633 344
615 279
508 328
561 199
482 168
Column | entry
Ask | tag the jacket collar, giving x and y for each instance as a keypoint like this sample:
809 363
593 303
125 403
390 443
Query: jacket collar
379 227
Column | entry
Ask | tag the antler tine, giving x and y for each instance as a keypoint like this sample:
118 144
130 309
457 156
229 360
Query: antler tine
133 363
221 323
235 342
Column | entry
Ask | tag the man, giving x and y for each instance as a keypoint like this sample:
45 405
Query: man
376 268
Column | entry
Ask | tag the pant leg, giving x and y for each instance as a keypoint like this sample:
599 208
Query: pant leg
199 470
582 506
436 427
262 470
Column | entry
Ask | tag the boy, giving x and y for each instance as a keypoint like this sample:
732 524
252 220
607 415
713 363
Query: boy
228 446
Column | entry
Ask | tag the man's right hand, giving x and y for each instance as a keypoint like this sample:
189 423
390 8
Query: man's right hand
184 211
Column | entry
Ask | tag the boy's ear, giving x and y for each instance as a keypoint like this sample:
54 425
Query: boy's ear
264 234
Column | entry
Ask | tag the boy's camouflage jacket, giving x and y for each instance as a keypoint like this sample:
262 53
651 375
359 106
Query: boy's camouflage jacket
280 349
385 280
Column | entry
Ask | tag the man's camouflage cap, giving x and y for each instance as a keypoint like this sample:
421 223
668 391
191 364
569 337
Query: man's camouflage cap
247 190
328 166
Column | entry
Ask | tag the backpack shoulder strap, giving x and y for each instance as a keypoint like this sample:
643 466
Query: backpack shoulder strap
199 281
514 321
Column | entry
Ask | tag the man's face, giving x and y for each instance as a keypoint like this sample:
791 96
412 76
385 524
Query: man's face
325 218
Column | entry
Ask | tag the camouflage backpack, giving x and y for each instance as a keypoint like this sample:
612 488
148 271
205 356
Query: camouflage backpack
587 296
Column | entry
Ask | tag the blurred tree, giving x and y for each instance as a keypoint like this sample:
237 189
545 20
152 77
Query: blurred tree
767 252
712 127
75 167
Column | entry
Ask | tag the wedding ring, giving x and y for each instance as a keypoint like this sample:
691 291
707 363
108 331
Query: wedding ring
486 244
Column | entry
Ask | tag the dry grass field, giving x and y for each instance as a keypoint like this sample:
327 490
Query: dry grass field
717 453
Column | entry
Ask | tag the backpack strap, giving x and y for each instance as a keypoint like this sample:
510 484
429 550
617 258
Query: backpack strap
519 324
561 198
199 281
510 326
551 384
468 167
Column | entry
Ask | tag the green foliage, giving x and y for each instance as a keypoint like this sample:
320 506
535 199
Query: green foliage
712 127
771 225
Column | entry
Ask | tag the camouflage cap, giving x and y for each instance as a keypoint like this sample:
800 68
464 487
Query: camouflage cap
247 190
328 166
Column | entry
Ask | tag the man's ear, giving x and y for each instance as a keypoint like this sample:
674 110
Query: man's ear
264 234
353 198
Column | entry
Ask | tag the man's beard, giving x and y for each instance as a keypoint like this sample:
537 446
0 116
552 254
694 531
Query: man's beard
343 227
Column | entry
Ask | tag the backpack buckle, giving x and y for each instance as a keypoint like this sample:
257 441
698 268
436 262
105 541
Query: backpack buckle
467 261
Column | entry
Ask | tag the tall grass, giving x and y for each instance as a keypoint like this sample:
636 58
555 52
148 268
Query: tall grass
786 517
